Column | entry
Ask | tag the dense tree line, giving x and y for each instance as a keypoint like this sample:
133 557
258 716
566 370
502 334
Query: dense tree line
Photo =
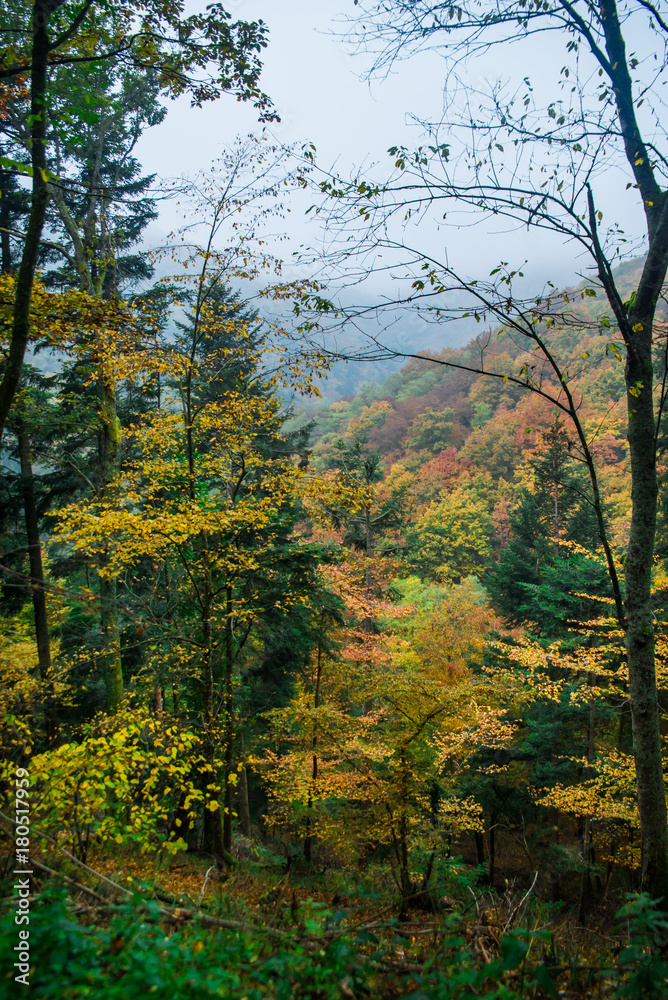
412 639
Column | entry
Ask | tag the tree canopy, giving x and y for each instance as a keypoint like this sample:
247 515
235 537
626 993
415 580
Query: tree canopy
305 699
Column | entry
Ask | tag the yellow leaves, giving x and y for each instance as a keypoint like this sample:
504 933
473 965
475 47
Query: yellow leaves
476 726
462 814
453 535
390 723
23 693
110 334
609 795
298 369
111 784
323 494
371 416
454 633
152 512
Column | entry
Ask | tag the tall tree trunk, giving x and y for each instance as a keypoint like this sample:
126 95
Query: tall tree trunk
635 319
638 567
407 887
640 618
555 880
110 455
492 847
308 838
39 199
213 824
244 805
111 654
229 718
5 220
624 735
636 325
37 580
479 848
158 700
587 848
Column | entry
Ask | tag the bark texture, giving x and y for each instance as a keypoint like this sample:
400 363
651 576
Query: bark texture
39 199
37 590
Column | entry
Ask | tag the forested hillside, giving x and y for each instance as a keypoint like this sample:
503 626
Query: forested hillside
306 699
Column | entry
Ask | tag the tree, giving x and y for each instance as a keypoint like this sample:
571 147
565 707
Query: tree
451 539
537 572
150 36
100 203
432 431
206 495
72 322
203 504
378 730
488 159
100 209
14 207
26 416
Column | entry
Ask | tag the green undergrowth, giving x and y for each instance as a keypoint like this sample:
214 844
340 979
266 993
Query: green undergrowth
128 952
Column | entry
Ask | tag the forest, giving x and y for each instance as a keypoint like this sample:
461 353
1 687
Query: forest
333 664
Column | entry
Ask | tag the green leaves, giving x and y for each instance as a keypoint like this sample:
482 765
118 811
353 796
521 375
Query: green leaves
10 164
646 927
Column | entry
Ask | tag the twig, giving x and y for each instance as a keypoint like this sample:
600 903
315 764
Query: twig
365 924
172 913
521 902
70 857
206 882
401 932
66 878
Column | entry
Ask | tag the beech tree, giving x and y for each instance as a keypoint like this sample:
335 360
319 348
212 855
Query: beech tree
376 733
505 153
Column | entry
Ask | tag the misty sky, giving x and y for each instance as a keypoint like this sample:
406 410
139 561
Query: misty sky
318 88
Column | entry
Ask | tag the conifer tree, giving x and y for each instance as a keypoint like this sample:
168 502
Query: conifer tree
539 567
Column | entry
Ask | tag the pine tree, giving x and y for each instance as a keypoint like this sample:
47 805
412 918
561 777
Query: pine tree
539 574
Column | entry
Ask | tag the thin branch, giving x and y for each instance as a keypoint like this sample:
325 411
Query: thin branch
66 878
654 12
73 28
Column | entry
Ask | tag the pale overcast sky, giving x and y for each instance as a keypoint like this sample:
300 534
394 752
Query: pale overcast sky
318 89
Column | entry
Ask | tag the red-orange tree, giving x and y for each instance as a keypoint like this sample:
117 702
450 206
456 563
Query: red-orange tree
540 162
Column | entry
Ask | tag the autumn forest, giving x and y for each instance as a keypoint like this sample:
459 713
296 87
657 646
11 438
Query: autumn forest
334 581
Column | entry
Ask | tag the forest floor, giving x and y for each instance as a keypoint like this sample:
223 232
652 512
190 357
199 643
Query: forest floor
274 928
